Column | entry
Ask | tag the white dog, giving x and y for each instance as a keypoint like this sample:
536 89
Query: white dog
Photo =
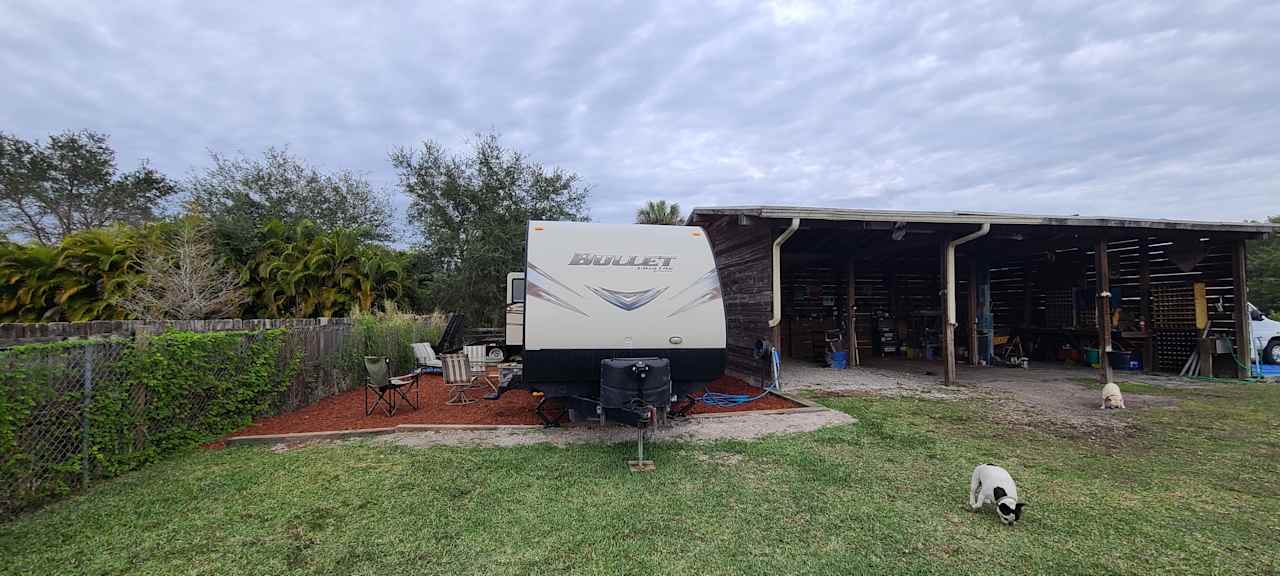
1111 397
992 485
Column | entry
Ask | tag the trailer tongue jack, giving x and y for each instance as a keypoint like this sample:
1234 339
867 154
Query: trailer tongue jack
640 464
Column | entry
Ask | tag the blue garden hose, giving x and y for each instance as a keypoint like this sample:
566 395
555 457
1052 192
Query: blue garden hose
722 399
727 400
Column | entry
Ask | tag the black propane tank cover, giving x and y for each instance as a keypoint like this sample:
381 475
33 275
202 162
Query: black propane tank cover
632 382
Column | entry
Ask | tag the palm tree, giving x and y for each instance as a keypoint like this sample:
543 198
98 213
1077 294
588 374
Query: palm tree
78 279
300 271
659 212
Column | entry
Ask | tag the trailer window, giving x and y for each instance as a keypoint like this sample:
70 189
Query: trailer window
517 290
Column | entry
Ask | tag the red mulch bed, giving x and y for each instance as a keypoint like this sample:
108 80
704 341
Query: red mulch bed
346 411
728 385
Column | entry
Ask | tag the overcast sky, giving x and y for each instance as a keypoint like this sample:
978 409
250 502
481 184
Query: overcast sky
1127 108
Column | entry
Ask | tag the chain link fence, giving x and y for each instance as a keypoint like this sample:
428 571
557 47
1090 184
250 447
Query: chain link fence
46 449
79 410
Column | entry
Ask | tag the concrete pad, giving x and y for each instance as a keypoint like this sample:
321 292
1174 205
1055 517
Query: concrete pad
697 428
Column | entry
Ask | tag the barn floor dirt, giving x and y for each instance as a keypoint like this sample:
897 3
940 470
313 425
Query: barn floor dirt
1055 397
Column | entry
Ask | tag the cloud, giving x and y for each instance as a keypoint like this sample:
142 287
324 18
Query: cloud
1122 108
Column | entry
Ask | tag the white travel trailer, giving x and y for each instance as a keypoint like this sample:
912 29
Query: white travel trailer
595 292
513 335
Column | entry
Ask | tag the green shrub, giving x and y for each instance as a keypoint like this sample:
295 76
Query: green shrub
389 334
200 386
149 399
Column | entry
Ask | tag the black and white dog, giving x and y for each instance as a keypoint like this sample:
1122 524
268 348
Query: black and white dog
992 485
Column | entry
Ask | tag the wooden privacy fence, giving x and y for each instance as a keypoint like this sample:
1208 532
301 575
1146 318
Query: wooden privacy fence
12 334
331 355
322 368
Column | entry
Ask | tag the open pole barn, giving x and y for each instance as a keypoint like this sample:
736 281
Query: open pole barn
983 289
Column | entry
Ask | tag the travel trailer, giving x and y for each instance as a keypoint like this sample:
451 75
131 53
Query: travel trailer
597 292
513 334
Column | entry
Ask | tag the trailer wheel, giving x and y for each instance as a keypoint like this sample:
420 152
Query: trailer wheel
495 355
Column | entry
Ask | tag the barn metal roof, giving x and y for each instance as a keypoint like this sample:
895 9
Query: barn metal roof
855 214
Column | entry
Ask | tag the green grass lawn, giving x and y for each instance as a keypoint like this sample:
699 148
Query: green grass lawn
1195 490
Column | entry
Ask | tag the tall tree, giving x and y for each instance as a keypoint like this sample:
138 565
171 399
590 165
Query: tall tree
659 212
242 194
472 210
70 183
1264 273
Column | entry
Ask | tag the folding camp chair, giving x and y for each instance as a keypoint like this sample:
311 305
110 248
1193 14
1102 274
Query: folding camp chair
426 358
457 376
477 358
387 386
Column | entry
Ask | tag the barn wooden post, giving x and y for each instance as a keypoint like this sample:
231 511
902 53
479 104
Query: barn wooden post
1239 280
948 319
973 312
1102 266
1144 278
1026 292
851 336
948 249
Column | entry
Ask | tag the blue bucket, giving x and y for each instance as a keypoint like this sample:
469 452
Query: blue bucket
839 359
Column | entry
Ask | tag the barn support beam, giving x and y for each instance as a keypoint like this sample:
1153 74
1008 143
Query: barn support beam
1102 277
949 301
981 322
948 284
1239 280
1144 278
973 312
1026 294
851 337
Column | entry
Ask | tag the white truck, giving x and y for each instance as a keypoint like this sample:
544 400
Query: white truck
1266 335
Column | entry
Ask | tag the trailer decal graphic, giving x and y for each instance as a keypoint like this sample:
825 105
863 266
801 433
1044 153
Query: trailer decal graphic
628 300
536 273
708 283
662 263
533 289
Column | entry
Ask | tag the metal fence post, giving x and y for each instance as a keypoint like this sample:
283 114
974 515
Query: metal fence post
85 399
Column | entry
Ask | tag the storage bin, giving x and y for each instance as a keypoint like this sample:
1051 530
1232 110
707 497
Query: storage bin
1124 360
